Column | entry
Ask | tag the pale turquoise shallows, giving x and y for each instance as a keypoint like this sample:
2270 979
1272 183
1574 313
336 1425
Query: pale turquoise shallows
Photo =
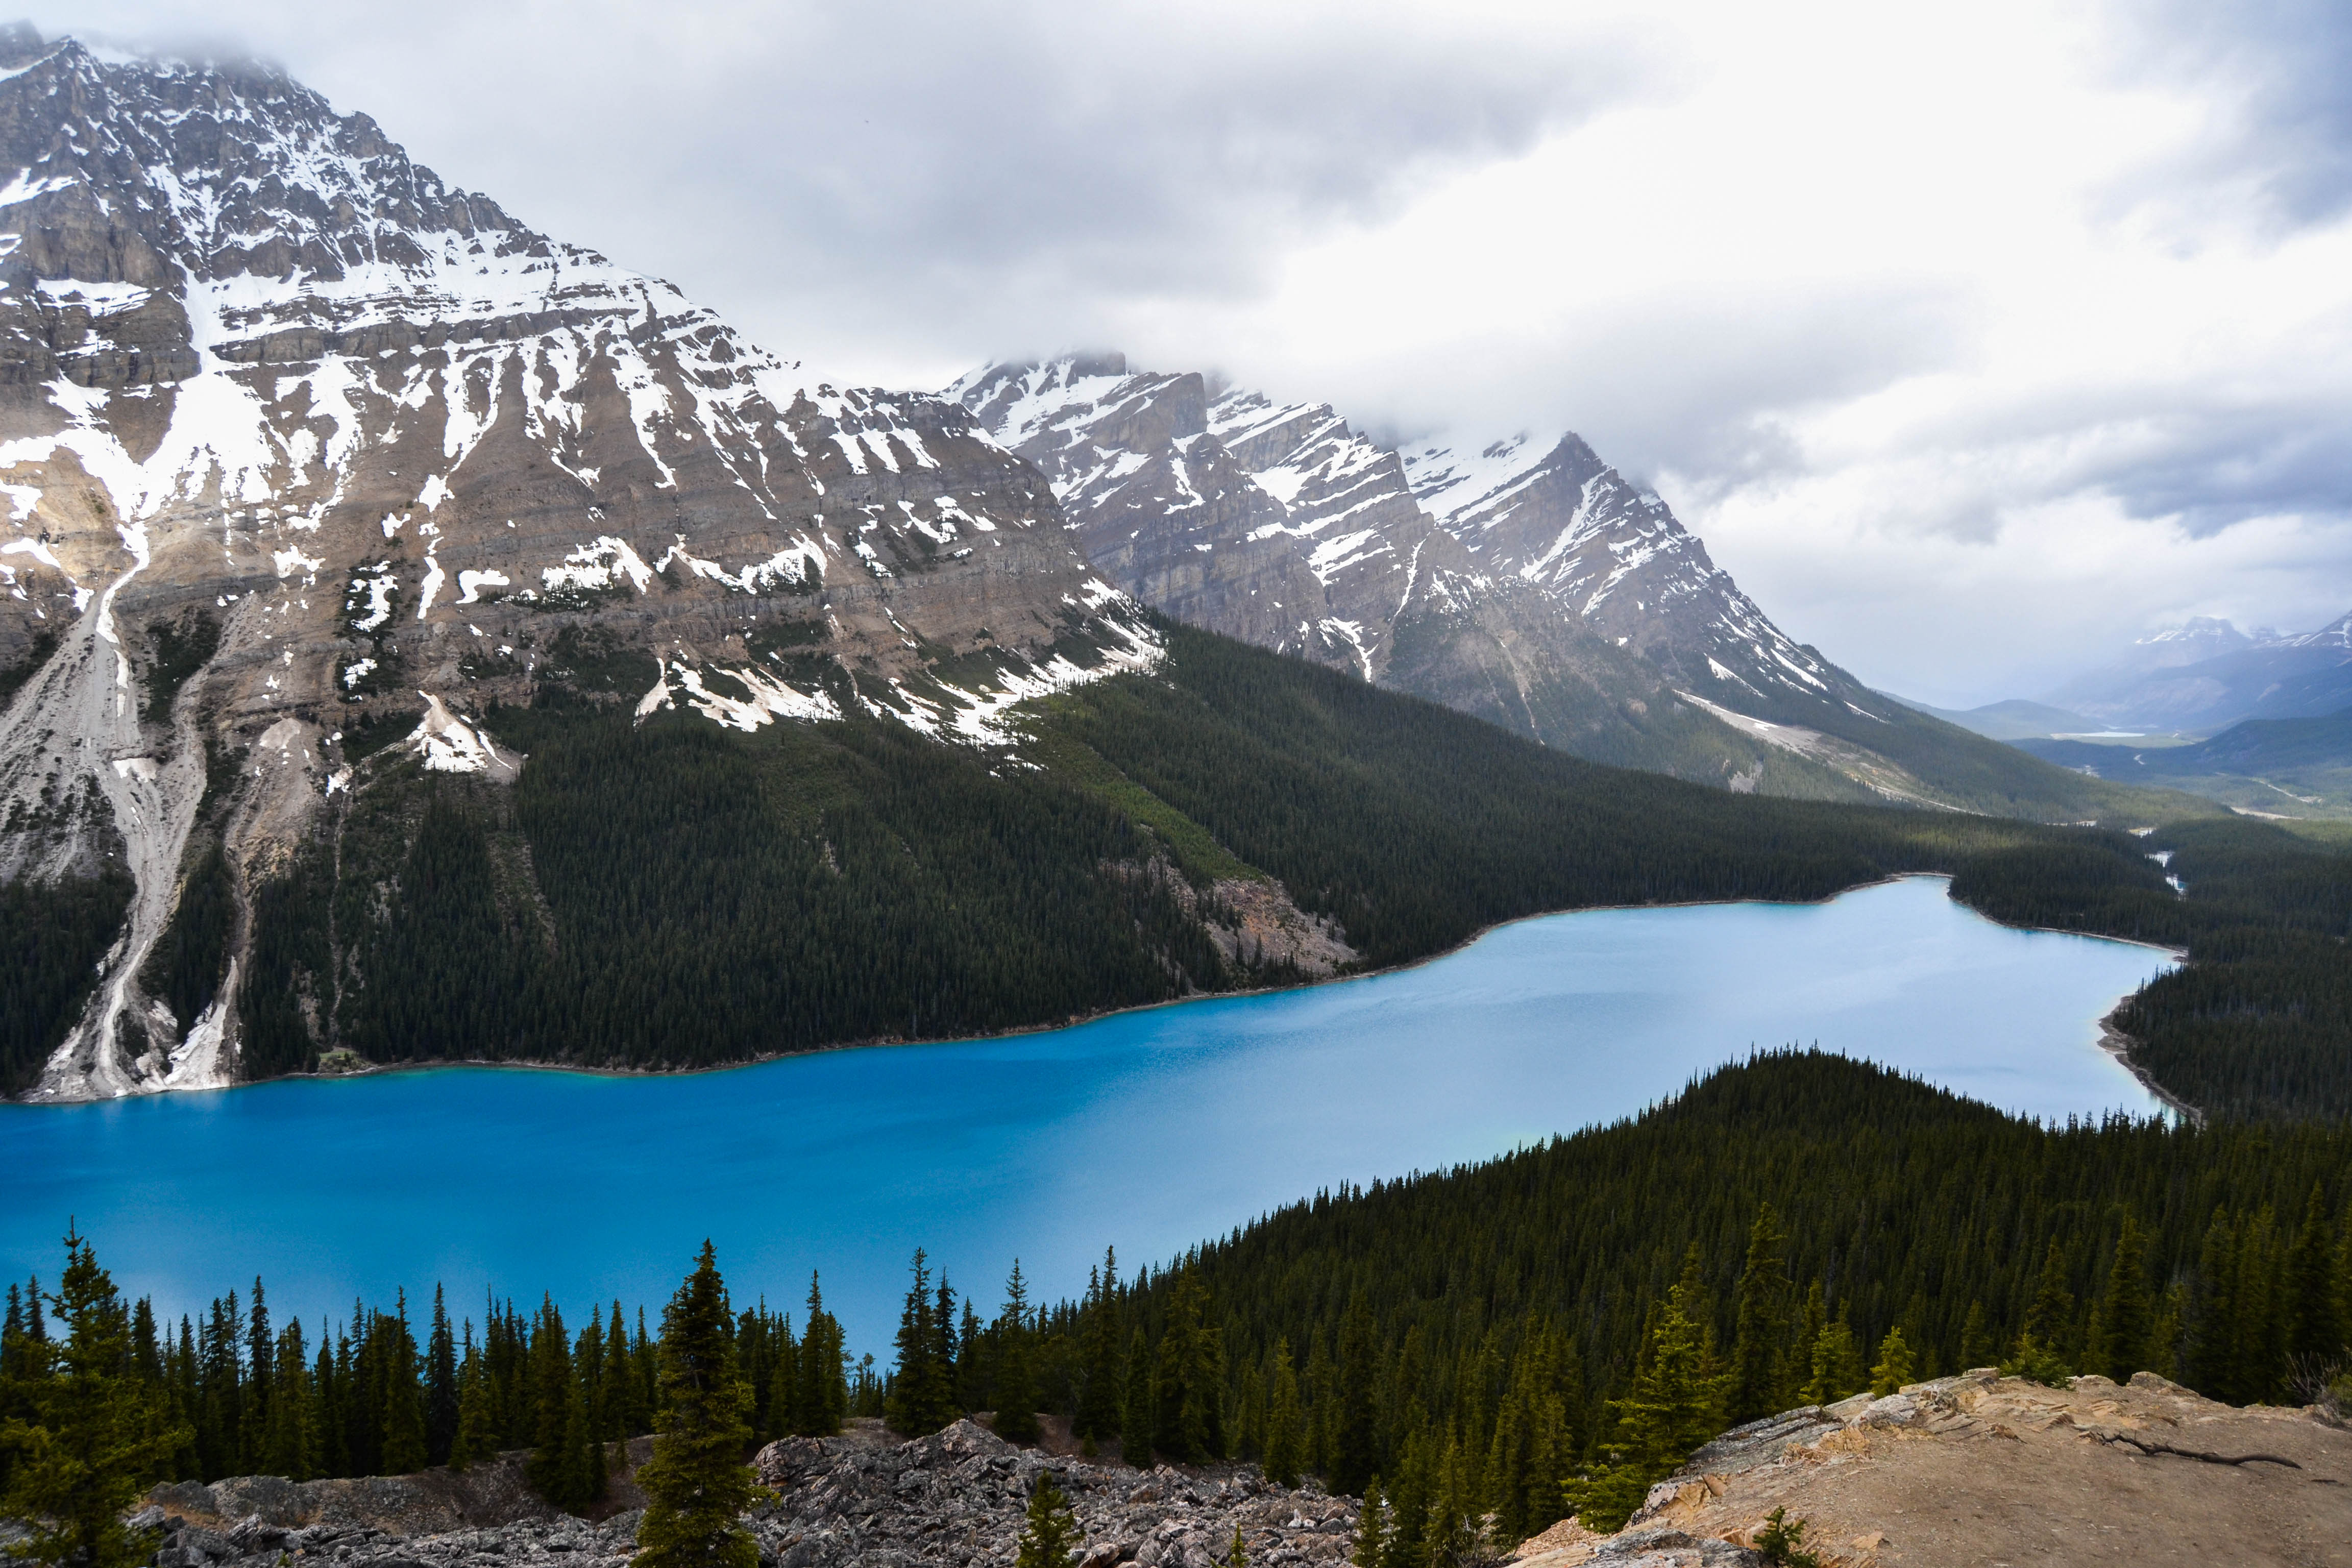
1149 1130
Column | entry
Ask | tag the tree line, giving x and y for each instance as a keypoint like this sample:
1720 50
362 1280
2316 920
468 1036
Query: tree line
385 1393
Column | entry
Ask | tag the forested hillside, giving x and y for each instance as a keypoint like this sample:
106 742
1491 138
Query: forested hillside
669 893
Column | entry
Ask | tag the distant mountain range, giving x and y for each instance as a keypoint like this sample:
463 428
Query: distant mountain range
2207 675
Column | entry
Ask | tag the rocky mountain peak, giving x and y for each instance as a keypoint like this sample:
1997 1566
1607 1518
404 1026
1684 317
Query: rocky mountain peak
380 452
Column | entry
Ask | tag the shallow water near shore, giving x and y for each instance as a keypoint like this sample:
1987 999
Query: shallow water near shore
1149 1129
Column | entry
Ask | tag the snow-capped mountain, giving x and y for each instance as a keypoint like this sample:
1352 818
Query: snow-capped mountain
1614 556
295 435
1524 581
1282 525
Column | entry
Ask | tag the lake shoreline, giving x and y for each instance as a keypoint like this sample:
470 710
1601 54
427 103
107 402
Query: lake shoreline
887 1042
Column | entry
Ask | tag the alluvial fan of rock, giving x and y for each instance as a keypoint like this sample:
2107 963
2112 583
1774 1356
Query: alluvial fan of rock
296 437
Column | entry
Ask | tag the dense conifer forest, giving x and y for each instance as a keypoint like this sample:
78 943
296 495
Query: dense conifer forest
672 894
1542 1333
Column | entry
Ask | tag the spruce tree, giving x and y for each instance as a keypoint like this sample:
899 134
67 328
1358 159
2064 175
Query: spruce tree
476 1436
1016 1382
1354 1440
1976 1348
697 1484
908 1410
553 1469
403 1450
1372 1530
440 1385
1135 1420
1760 1328
1105 1370
1285 1423
1237 1555
2049 1318
93 1436
2124 1319
2315 1337
1049 1530
1894 1367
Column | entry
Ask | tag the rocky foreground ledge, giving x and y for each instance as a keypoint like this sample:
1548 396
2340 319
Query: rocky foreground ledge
864 1497
1967 1470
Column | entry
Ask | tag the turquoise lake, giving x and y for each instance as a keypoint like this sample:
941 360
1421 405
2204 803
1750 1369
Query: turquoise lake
1148 1130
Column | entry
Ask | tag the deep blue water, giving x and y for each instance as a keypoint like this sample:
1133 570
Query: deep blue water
1149 1130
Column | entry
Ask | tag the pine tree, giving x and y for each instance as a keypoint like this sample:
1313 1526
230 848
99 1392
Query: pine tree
1050 1529
1135 1421
1285 1435
92 1437
1016 1384
259 1343
1760 1330
824 1399
1894 1368
697 1484
1237 1555
1836 1363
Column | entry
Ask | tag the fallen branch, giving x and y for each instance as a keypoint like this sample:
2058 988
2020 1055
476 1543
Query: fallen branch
2151 1447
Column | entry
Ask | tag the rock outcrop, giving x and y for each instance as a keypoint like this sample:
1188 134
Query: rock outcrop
1981 1469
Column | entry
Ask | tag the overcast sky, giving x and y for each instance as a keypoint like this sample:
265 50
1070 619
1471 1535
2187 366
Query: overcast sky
1976 342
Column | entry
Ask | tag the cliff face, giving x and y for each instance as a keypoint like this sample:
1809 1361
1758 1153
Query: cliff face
295 438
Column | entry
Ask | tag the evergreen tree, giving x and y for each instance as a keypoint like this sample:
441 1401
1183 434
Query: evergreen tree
1285 1436
1894 1368
403 1449
626 1414
1016 1382
1104 1380
1354 1439
2049 1318
2315 1336
440 1385
1050 1529
1760 1335
2124 1319
476 1436
697 1484
1372 1530
258 1344
554 1469
913 1406
1674 1406
1976 1349
92 1437
1237 1555
1135 1420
